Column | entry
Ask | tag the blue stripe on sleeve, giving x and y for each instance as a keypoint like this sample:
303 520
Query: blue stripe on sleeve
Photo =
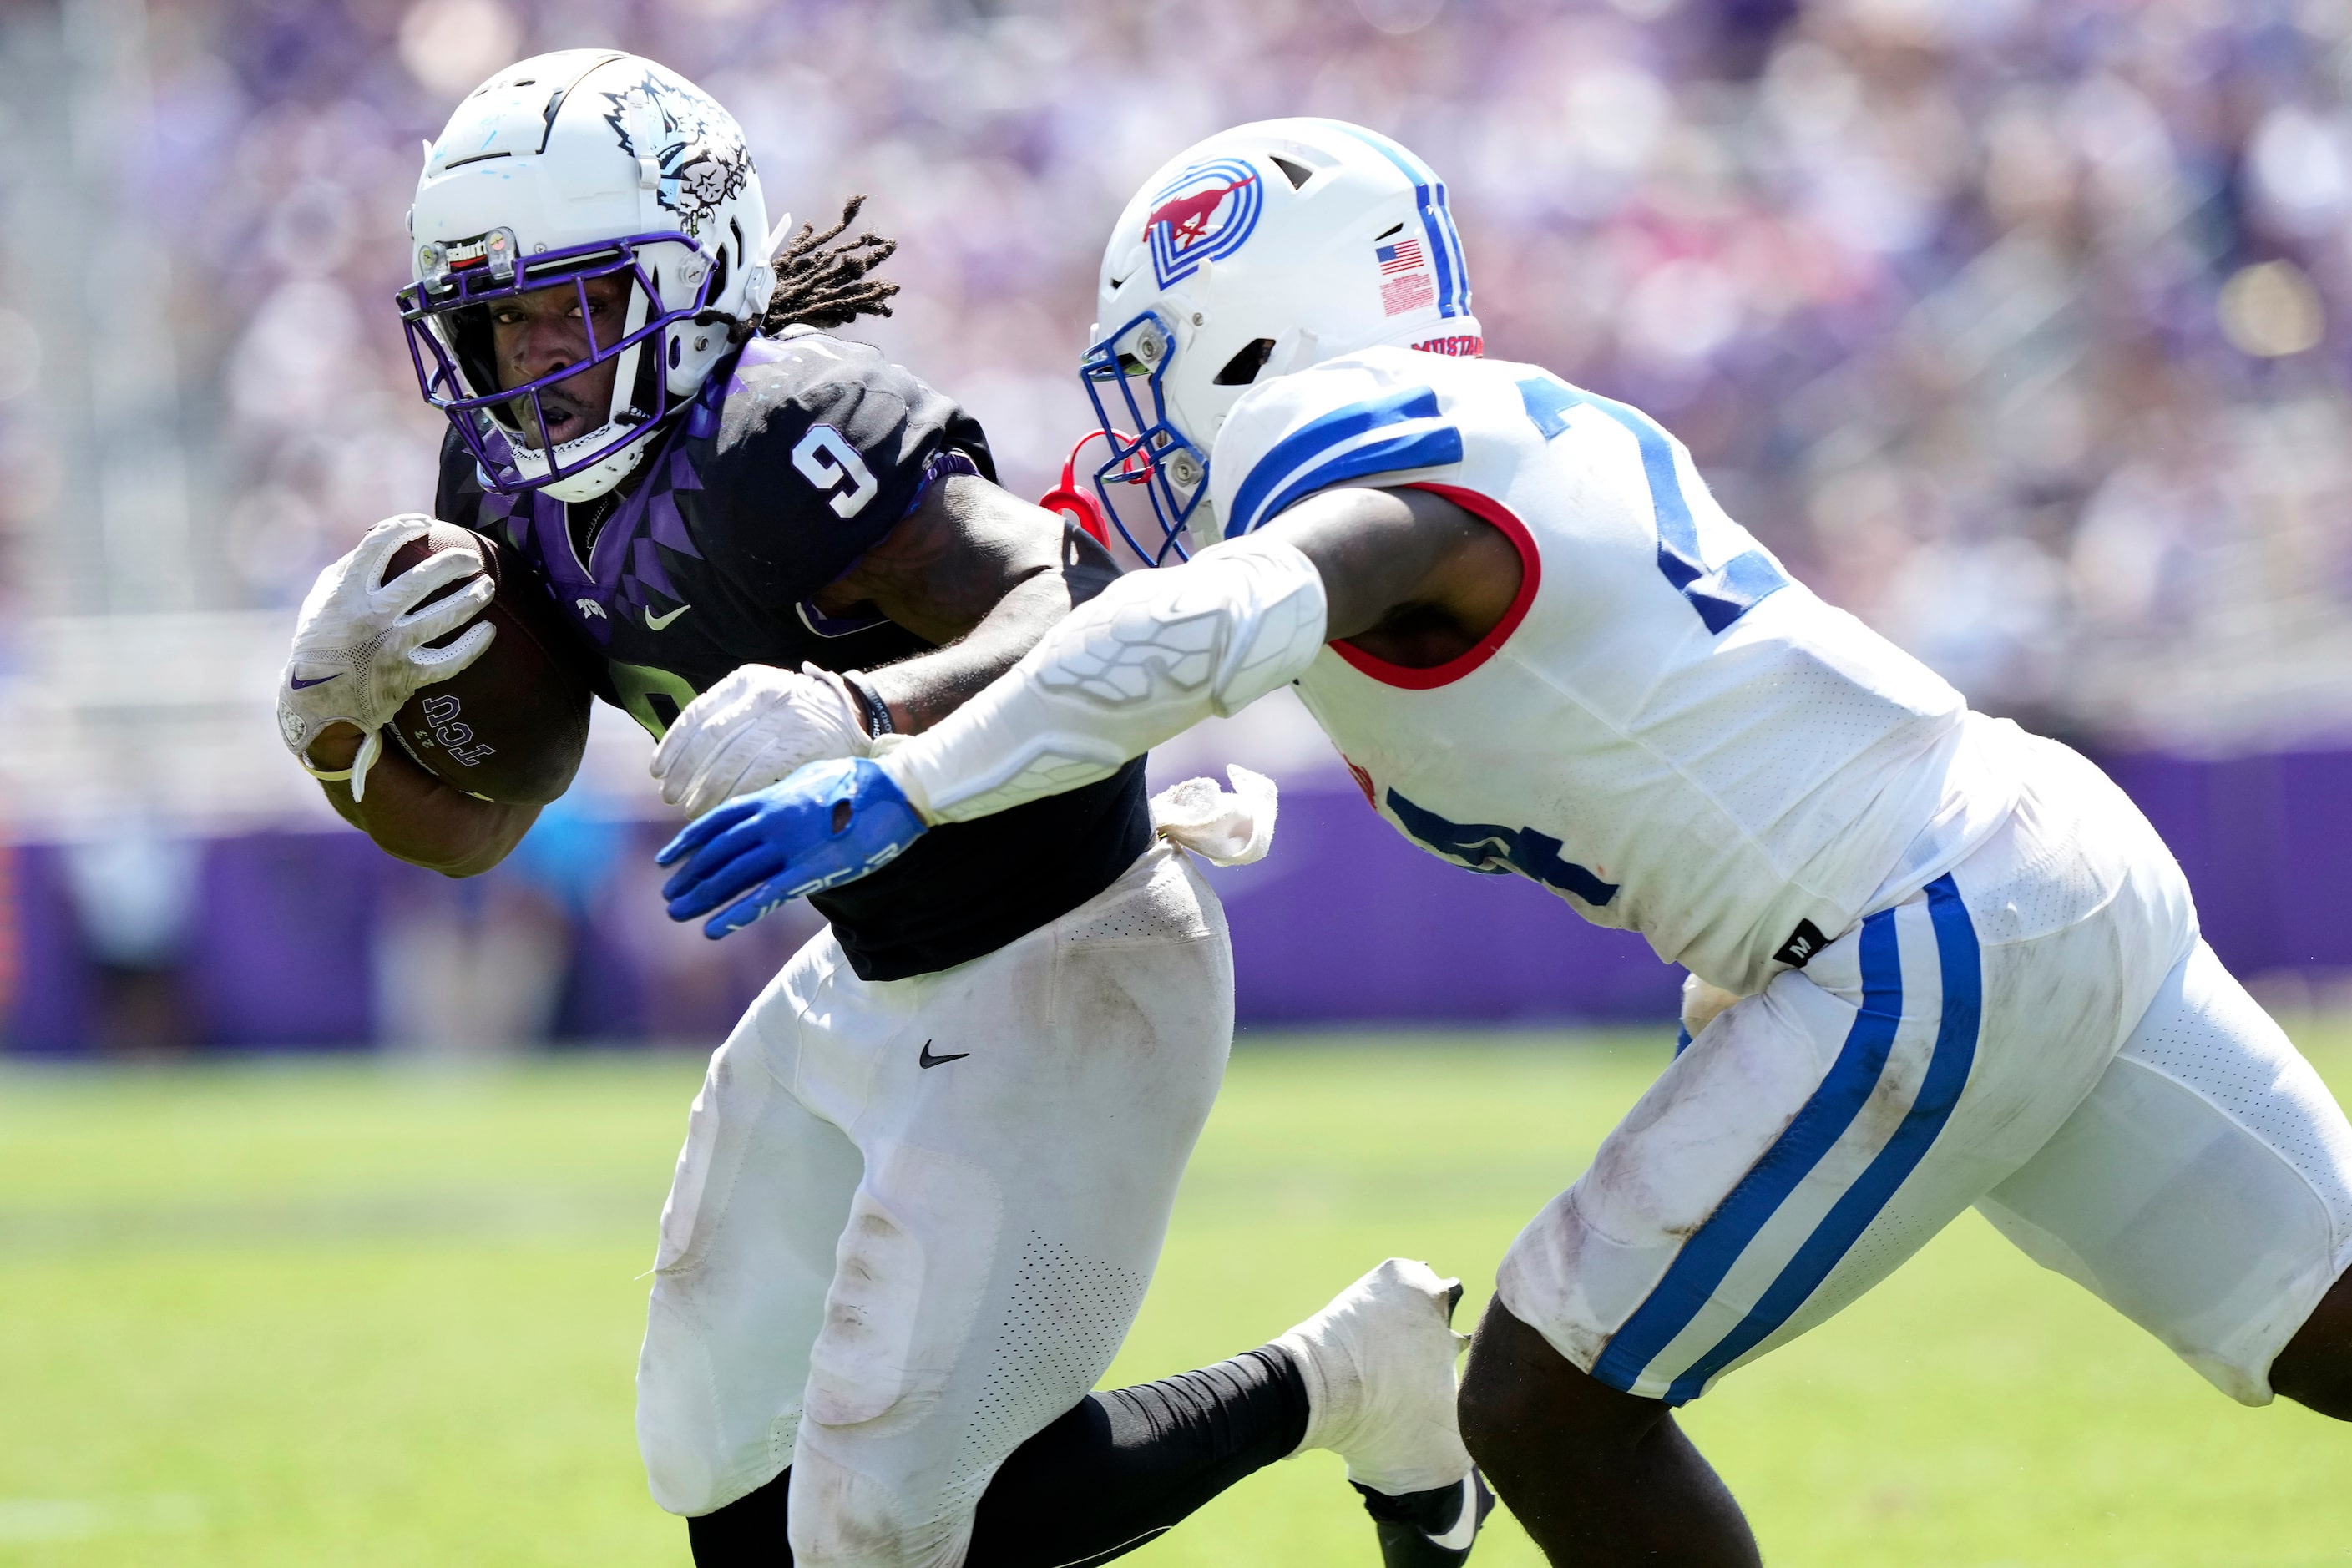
1707 1257
1430 447
1315 437
1962 966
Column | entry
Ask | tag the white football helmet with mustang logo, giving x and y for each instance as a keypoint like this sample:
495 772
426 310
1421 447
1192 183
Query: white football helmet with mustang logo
564 168
1258 252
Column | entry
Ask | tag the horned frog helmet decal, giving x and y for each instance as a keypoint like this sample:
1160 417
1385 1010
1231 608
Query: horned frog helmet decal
564 168
699 156
1258 252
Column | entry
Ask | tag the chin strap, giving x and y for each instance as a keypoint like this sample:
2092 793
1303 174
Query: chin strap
1153 655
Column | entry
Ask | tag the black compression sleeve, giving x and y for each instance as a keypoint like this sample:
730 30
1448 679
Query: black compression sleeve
1116 1470
1126 1466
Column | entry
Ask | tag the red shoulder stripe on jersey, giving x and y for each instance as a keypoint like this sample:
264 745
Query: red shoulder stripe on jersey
1454 670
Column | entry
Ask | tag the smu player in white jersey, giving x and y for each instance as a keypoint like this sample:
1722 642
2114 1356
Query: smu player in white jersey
1937 961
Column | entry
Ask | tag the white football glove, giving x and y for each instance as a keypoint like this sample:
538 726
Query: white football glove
756 727
359 646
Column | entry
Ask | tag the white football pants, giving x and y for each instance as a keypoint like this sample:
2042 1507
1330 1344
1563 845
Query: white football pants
914 1218
2040 1033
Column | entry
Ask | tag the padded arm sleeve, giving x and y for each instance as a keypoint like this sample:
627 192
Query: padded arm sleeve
1155 654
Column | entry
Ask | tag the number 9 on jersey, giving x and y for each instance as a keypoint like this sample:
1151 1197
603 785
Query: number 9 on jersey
829 462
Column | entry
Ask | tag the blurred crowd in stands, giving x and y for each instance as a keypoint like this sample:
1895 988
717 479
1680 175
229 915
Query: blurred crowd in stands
2022 328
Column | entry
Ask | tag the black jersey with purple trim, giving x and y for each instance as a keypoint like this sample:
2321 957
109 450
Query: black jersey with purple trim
795 460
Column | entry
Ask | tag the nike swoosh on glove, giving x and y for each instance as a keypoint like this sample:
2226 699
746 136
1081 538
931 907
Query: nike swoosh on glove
830 823
756 727
359 643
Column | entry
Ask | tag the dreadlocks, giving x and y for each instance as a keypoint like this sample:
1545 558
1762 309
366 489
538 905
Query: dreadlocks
823 287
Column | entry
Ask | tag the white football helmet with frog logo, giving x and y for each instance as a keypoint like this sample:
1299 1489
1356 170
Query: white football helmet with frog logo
566 167
1259 251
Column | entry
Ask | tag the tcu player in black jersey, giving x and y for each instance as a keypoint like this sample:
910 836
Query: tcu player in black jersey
928 1176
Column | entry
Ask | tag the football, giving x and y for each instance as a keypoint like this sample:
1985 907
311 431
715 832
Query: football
510 726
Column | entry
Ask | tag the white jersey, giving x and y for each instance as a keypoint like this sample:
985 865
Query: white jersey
1664 728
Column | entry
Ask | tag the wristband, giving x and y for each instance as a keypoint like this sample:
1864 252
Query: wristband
941 464
877 713
356 775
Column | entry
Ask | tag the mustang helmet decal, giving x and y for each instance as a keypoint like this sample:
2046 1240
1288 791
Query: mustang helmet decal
1202 214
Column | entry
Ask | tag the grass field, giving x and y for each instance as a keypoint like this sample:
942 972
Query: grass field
351 1314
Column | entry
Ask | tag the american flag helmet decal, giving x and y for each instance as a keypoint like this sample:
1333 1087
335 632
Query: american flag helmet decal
1405 256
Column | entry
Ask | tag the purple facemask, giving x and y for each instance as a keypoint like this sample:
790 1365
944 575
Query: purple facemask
446 315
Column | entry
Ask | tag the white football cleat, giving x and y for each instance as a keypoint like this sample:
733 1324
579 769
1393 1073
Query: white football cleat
1378 1365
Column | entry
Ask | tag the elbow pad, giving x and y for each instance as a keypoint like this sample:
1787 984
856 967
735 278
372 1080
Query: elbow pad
1155 654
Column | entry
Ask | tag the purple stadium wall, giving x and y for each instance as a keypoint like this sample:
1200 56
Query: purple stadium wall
1345 923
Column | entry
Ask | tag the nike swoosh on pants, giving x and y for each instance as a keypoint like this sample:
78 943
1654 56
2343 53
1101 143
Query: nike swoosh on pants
1465 1528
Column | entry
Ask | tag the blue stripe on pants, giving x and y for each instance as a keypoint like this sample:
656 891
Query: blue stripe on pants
1959 967
1948 1074
1708 1255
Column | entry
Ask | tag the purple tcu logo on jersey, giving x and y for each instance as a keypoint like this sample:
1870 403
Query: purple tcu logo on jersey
1201 215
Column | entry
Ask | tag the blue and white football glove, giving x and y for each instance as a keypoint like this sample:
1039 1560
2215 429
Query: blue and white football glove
830 823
